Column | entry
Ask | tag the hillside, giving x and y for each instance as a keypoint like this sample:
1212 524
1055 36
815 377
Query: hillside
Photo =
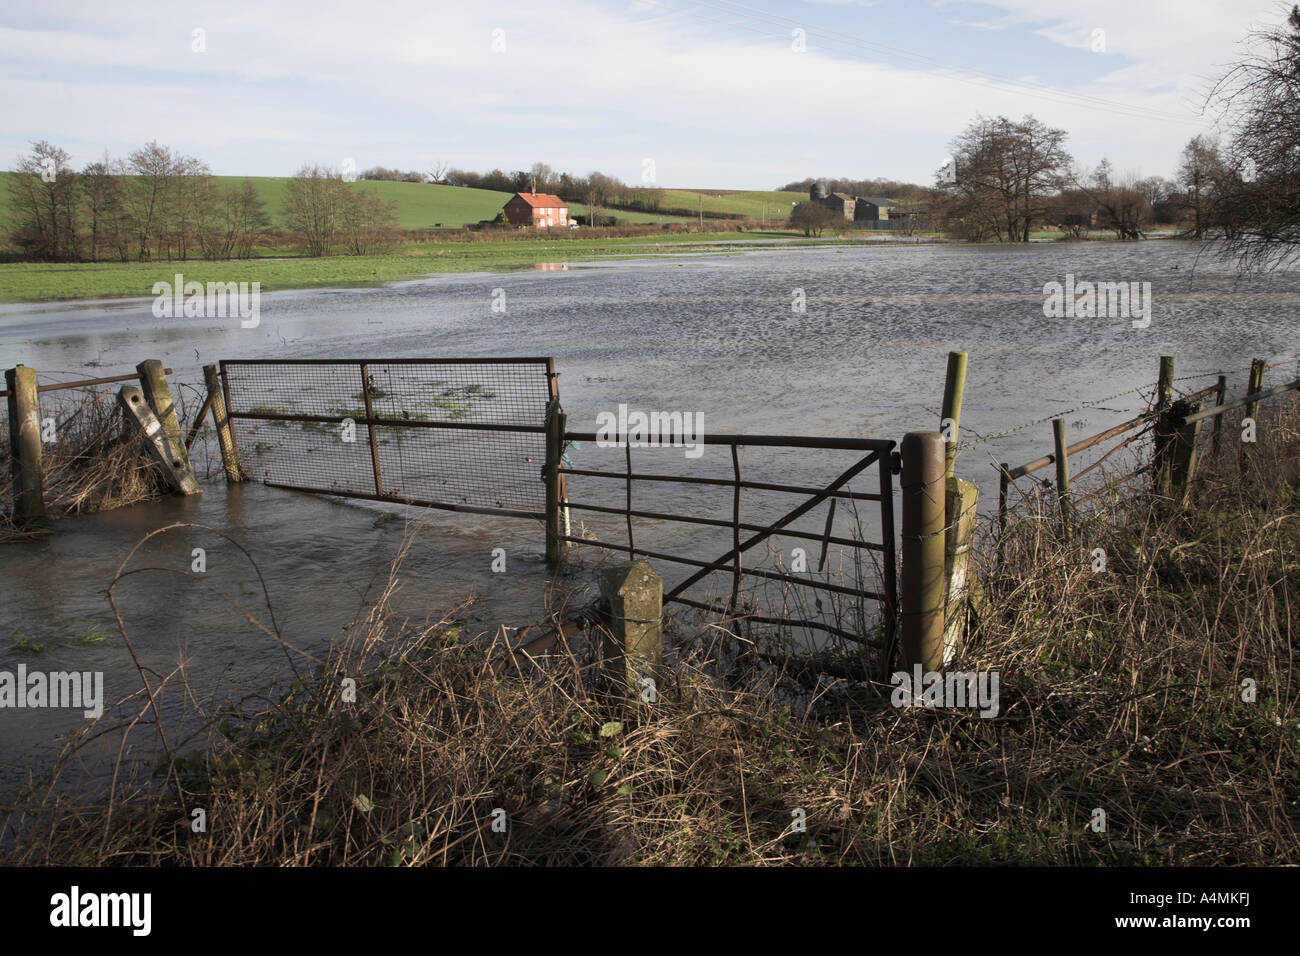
422 206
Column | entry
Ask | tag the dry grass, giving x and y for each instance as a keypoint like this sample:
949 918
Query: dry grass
93 465
1120 691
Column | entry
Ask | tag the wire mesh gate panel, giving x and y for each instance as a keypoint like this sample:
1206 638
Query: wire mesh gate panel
457 434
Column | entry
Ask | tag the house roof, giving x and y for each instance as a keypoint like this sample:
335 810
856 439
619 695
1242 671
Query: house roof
845 196
877 202
541 200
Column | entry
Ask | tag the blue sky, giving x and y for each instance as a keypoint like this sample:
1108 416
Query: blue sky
716 93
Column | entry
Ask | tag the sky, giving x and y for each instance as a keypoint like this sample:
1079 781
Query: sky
673 93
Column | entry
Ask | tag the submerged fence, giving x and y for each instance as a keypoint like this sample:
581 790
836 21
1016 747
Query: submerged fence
453 434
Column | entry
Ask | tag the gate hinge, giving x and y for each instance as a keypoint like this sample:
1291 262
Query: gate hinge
896 462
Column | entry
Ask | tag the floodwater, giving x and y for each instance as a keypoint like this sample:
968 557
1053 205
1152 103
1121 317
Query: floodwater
712 334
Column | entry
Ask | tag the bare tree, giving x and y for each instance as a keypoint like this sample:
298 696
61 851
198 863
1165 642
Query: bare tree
437 171
314 205
1005 172
44 195
1200 171
1259 202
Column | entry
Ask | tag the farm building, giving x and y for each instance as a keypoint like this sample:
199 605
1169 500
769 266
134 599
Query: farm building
871 207
857 209
537 209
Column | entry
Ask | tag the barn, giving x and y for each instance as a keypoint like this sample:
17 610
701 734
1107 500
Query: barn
541 210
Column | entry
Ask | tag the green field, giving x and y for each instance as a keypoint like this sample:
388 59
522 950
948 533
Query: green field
45 282
755 204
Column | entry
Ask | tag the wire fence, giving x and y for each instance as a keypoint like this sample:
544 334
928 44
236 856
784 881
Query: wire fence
459 434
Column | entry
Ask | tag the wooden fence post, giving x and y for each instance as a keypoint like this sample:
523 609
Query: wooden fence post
1253 385
1165 386
1182 464
633 643
1062 471
159 396
922 579
954 387
221 419
25 445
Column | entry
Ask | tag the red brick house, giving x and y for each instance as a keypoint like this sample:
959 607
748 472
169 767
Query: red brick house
537 209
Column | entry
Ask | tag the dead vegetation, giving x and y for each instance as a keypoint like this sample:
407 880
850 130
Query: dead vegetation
1125 691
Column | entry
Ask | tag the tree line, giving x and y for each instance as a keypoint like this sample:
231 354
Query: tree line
157 204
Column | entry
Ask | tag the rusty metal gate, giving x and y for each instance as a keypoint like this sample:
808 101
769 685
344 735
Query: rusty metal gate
455 434
788 505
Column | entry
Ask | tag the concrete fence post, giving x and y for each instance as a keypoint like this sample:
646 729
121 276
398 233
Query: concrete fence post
153 383
922 578
959 576
633 645
25 445
167 453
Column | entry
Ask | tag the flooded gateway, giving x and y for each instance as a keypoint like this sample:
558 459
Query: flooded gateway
716 337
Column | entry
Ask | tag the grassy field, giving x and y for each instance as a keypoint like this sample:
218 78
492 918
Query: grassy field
423 206
753 204
45 282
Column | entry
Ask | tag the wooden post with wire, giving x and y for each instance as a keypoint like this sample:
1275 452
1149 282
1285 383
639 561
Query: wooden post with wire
922 580
555 419
1254 384
1062 456
221 421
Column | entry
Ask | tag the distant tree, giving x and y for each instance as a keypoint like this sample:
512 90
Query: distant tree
314 206
367 222
101 204
1199 172
1005 172
44 194
437 171
813 218
1121 205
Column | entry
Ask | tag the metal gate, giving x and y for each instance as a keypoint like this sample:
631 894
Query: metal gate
455 434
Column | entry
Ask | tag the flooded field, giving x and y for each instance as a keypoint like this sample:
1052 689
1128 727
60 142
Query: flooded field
714 335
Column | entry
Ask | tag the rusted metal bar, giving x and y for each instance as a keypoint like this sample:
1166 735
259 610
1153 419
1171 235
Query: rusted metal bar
770 441
788 622
826 534
723 523
370 429
396 422
631 541
111 380
540 360
757 572
789 516
404 500
890 562
554 440
735 533
198 423
727 482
